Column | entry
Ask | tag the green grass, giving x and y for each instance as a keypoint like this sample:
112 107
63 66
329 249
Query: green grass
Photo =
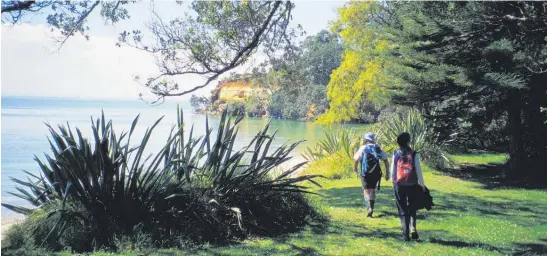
467 220
480 158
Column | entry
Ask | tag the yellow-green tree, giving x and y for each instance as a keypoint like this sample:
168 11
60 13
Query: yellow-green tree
361 75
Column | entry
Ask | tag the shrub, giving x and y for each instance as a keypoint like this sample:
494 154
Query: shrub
38 230
18 236
194 189
335 166
342 141
423 141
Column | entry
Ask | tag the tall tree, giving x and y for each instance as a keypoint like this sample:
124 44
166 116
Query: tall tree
358 80
466 64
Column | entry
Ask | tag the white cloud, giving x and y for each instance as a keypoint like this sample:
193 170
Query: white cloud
81 69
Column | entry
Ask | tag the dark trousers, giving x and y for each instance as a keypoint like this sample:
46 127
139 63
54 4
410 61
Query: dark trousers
406 197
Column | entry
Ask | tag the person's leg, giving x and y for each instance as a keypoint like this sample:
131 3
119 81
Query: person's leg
370 202
372 182
413 196
402 206
372 198
366 195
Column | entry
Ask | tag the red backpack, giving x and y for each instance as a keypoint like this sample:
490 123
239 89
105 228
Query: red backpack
406 170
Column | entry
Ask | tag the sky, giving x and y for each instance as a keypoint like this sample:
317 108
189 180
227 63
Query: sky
96 68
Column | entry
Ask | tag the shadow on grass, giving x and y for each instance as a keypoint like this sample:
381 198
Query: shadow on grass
462 244
531 249
524 213
448 206
292 250
491 176
350 197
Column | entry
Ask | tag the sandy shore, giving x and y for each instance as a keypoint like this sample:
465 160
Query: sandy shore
9 220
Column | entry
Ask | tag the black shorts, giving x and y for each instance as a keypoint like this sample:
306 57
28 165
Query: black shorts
370 181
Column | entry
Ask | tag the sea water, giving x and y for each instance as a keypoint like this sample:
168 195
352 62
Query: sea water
25 134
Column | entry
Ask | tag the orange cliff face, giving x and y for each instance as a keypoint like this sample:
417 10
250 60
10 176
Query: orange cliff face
236 90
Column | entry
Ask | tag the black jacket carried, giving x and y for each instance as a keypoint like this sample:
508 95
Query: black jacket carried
425 201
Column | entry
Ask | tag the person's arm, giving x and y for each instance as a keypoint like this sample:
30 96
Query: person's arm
393 169
357 158
382 155
419 171
386 163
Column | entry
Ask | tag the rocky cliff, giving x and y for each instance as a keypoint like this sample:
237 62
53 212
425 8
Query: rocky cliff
235 90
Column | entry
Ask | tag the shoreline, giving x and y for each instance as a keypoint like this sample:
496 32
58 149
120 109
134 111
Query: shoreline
8 221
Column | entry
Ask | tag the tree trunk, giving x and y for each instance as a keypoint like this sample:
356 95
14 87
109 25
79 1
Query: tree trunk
516 150
535 135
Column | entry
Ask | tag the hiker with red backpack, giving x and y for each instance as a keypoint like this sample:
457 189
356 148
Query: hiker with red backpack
408 184
369 156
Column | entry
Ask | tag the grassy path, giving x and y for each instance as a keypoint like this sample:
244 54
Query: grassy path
468 219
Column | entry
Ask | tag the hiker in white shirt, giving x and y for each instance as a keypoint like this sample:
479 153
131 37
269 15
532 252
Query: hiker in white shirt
369 156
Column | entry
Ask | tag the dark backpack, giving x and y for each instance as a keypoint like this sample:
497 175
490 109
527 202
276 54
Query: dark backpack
370 160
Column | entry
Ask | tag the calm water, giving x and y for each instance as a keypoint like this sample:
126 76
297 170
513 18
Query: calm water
24 133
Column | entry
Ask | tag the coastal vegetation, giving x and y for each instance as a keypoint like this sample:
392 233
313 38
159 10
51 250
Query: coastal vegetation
460 77
92 192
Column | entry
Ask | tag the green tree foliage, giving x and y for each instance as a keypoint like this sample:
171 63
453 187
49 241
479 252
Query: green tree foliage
468 65
301 77
254 107
69 17
322 54
198 102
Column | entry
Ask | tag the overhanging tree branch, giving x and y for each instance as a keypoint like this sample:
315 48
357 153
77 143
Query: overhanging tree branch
11 6
79 23
219 40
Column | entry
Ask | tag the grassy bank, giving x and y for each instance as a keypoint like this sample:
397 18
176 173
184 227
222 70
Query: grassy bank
468 219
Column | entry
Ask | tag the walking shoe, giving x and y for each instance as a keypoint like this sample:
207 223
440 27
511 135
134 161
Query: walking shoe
406 238
370 211
414 235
